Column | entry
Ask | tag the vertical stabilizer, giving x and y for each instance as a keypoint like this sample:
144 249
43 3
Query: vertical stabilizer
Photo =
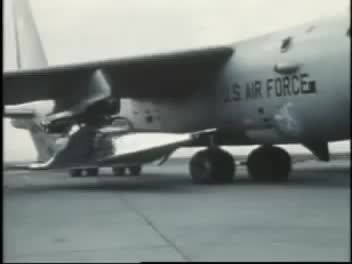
30 54
29 50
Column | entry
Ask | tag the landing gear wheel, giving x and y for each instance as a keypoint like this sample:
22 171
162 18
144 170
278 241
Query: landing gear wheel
213 165
92 172
76 173
119 171
135 170
269 164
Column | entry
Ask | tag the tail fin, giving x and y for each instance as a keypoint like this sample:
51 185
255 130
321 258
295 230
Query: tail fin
29 49
30 54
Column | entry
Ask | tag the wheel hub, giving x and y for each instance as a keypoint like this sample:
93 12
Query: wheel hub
212 166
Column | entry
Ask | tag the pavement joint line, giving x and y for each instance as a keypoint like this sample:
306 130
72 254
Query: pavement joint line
150 223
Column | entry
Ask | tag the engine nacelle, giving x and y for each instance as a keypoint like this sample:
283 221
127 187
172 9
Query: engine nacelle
95 115
92 107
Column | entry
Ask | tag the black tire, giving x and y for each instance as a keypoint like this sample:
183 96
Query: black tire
212 166
135 170
92 172
269 164
119 171
224 166
201 168
76 173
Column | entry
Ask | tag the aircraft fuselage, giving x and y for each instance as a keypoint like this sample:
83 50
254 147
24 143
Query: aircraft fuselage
284 87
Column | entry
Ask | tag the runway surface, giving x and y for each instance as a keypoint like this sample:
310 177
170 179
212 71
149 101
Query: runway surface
162 216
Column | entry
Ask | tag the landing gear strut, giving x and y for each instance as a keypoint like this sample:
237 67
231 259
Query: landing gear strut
212 165
269 164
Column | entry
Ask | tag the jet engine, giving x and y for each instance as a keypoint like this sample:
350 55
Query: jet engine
94 108
95 115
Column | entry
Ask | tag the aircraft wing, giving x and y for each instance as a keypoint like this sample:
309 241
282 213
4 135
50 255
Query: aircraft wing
77 86
163 75
127 148
147 147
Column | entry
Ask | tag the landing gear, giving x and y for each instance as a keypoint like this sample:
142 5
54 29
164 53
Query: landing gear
79 172
133 170
119 171
76 173
212 165
269 164
92 172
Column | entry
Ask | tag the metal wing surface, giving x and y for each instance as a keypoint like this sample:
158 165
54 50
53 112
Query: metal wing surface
163 75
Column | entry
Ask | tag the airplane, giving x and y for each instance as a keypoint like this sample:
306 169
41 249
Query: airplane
287 87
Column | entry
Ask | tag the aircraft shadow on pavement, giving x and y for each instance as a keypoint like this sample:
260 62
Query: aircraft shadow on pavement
181 183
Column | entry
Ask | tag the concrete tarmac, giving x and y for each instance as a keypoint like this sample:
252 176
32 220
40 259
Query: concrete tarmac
162 216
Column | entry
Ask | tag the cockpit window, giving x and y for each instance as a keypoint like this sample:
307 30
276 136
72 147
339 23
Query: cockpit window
286 44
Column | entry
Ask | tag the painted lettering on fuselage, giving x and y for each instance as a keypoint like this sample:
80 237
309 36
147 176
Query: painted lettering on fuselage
289 85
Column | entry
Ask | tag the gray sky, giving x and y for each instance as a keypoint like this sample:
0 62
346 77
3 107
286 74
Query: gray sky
86 30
